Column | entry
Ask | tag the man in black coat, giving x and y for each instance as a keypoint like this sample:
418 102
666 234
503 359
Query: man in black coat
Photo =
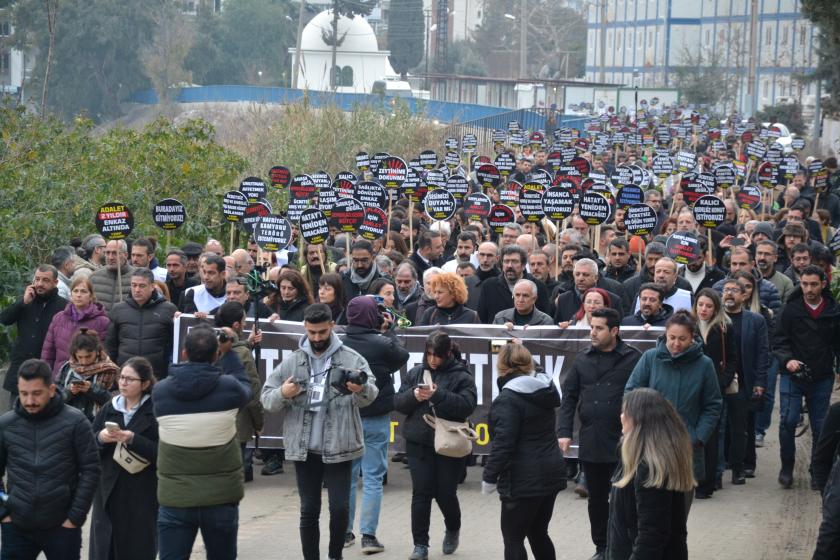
142 325
488 268
362 272
385 355
428 252
32 313
653 310
497 293
51 461
585 276
594 388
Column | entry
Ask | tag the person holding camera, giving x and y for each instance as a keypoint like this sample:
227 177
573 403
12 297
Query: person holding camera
385 354
442 386
807 341
321 387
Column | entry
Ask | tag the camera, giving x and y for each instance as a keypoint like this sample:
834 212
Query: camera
354 376
804 374
222 336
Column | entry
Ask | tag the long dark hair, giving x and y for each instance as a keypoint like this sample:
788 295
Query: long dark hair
334 280
143 368
439 344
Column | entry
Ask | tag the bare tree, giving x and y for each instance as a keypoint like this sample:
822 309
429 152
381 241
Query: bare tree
164 58
51 7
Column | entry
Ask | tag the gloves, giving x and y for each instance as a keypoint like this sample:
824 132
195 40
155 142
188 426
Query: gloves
488 488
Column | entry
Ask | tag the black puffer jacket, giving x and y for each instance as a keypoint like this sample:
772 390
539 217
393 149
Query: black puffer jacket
816 342
52 465
385 354
455 399
142 331
525 460
457 315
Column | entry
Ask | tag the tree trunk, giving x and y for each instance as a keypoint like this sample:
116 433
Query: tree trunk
333 77
52 20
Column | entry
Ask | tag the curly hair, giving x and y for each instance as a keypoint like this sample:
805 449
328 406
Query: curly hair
453 283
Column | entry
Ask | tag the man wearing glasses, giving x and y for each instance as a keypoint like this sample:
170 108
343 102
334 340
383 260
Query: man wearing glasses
363 270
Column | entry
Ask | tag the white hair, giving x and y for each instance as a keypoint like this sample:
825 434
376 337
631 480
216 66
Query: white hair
530 284
433 271
593 266
441 227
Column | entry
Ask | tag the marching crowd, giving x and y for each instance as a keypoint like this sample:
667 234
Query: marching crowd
103 419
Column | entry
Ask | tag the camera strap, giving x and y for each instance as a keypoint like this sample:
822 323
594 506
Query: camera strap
318 386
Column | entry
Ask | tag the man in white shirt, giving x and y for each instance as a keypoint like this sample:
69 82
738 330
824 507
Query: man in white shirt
665 276
210 294
464 252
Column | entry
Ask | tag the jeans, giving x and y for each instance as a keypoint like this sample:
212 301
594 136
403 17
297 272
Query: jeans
817 395
177 528
311 476
435 477
598 477
373 466
57 543
764 415
528 517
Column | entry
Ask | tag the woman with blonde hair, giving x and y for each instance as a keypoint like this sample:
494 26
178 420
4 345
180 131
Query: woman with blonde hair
450 294
648 500
525 463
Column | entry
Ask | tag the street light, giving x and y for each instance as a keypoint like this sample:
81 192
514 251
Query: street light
510 17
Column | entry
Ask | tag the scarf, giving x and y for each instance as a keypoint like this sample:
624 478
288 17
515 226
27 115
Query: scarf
413 291
103 373
363 282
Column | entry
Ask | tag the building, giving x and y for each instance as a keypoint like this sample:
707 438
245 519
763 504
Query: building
359 61
12 68
641 42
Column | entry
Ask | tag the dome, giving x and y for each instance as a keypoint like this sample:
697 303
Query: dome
357 34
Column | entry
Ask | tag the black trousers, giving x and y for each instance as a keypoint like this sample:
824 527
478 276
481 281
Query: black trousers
435 477
749 453
311 476
710 456
528 518
598 477
736 412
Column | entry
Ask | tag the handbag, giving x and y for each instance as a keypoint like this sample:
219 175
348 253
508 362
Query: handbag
452 439
732 388
128 459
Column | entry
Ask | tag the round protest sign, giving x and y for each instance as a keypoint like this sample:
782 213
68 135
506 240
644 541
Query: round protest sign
509 193
314 227
346 176
821 180
582 165
428 159
458 186
594 208
542 177
169 214
374 224
370 194
450 143
834 244
797 144
500 216
530 202
505 164
725 175
362 161
789 167
233 206
488 176
435 179
280 176
377 159
469 142
452 159
686 161
273 233
439 204
755 150
640 219
254 188
114 221
748 196
477 206
628 195
302 187
253 213
391 172
767 175
709 211
558 202
326 199
348 214
413 187
692 189
622 175
322 179
683 247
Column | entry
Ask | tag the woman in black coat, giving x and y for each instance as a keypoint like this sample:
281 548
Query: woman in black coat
442 386
124 524
525 464
651 488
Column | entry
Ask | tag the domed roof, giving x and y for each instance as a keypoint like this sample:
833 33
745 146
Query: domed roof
355 35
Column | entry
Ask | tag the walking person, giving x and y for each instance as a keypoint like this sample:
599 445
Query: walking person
525 465
593 391
648 511
322 428
86 380
49 457
125 506
442 385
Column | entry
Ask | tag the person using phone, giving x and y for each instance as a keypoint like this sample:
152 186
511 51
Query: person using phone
87 378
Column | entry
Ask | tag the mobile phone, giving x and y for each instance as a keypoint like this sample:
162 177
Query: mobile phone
737 241
424 386
77 382
112 426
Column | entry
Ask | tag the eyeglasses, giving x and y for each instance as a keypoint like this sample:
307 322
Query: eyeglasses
732 290
126 379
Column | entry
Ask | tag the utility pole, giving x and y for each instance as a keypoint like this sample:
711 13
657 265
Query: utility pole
523 38
296 71
603 45
752 94
815 128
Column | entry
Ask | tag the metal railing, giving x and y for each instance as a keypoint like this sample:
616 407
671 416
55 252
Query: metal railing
529 120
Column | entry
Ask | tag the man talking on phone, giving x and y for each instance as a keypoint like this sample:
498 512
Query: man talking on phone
321 387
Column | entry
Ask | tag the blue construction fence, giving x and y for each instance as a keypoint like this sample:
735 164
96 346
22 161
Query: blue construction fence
445 112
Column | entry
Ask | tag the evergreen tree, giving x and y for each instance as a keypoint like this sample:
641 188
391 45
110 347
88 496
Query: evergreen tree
406 34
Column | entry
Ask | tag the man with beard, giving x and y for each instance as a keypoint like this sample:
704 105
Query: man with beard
210 294
311 271
362 272
620 264
740 258
699 274
800 258
750 333
32 314
653 198
108 290
665 275
488 260
630 288
177 280
193 251
538 263
586 276
652 311
566 280
596 383
497 292
618 221
428 252
409 289
464 252
766 255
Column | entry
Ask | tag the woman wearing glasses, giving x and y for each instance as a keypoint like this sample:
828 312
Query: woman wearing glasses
125 506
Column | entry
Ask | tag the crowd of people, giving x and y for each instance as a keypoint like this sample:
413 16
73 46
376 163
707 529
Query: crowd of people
103 418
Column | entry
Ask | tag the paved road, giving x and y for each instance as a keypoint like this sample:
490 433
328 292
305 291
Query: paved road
756 521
